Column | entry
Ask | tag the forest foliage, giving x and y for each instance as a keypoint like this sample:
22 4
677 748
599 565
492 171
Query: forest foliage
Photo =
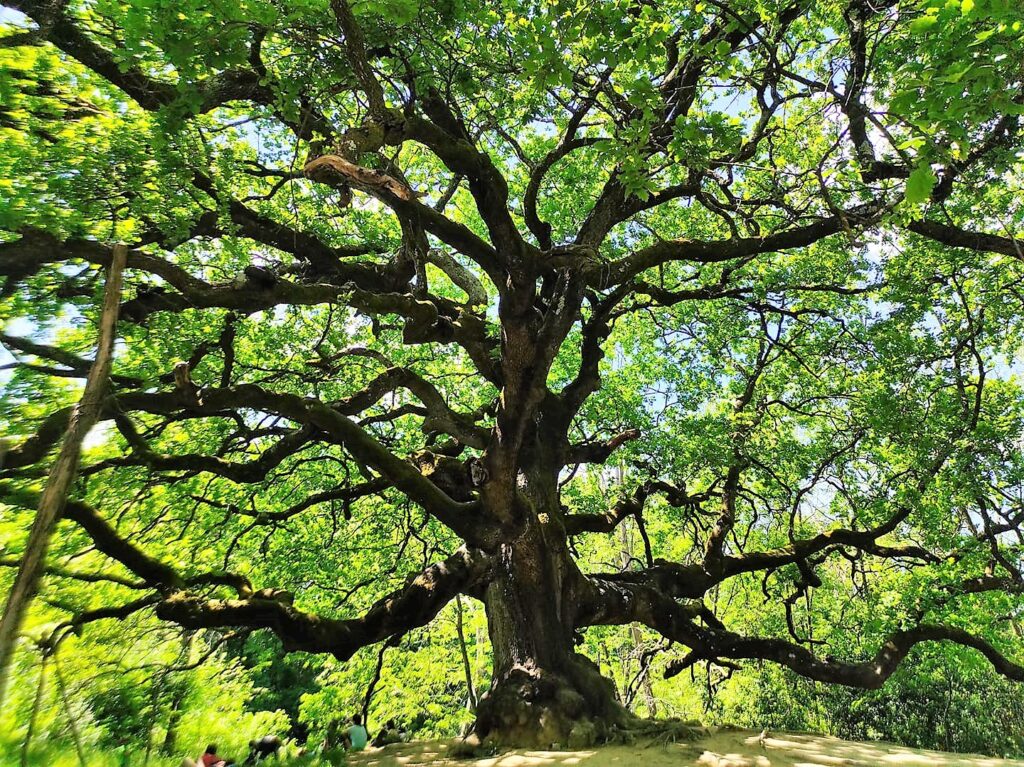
765 258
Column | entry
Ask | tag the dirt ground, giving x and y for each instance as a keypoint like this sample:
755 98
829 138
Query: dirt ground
726 748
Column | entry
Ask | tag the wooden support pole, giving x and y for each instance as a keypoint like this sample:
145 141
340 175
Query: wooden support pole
62 474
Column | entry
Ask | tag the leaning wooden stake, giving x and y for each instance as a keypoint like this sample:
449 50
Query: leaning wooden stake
51 504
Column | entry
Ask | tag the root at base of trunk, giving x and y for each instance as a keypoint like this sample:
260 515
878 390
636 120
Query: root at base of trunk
660 732
536 708
647 733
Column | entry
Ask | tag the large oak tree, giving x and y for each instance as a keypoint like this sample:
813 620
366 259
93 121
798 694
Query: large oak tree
408 280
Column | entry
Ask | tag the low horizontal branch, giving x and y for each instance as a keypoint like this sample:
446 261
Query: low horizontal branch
413 605
870 674
331 423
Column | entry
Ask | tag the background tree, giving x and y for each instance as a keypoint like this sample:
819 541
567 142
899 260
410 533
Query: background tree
458 290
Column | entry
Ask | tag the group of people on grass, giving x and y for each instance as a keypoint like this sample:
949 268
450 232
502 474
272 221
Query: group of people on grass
261 748
353 737
356 737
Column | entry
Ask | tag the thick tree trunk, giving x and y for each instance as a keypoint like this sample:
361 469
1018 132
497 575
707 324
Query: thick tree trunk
542 692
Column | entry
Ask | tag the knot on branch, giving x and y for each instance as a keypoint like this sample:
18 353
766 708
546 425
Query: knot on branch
458 479
332 169
190 392
276 595
578 257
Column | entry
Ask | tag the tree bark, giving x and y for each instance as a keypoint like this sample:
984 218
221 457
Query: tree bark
54 496
542 692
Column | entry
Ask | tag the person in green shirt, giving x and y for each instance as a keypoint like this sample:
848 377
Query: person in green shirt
356 735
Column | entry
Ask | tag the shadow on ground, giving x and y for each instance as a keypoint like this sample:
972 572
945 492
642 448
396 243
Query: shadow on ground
727 748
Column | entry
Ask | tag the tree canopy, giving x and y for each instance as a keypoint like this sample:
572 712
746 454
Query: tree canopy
703 318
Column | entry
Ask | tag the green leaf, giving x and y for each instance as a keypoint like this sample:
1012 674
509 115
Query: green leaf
920 184
923 24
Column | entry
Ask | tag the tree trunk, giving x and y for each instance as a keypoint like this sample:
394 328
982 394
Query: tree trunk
72 722
542 692
634 631
470 687
173 720
33 716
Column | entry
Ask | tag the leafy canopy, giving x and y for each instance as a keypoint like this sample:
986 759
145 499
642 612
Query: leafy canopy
742 277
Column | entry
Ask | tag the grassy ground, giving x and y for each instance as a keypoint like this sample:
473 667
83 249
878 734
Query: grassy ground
720 748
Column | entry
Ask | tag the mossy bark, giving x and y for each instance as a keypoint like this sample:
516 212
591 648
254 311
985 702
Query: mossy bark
543 693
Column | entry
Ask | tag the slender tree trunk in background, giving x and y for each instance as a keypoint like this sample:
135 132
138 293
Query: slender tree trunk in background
603 659
173 718
645 683
62 689
34 714
54 496
154 705
634 630
465 655
372 687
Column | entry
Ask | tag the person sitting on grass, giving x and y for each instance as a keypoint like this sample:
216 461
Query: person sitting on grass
262 748
388 735
212 759
356 736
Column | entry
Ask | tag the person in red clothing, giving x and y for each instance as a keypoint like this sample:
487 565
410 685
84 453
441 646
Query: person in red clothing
212 759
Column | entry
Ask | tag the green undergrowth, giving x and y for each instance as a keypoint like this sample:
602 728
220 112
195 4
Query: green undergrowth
64 755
